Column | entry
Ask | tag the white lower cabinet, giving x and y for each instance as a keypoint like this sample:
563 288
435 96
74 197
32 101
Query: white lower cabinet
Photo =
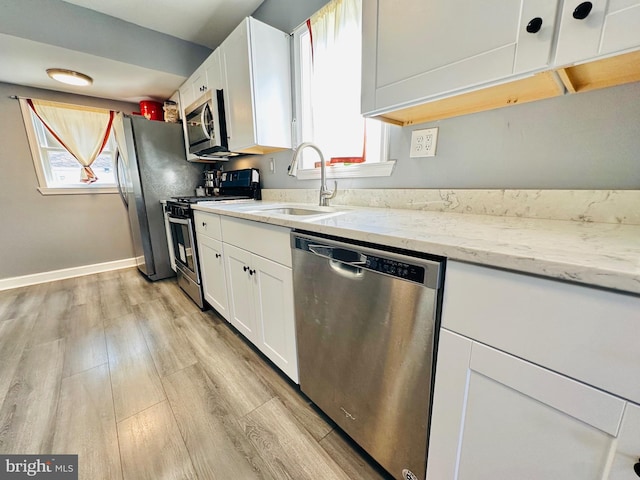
535 379
261 299
496 416
213 273
241 281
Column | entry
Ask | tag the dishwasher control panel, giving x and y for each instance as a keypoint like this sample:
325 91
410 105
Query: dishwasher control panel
414 273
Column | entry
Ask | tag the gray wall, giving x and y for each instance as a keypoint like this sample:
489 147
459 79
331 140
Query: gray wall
42 233
582 141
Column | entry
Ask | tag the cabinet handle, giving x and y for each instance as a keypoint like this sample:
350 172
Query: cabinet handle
534 25
251 272
245 268
582 11
636 468
218 255
204 224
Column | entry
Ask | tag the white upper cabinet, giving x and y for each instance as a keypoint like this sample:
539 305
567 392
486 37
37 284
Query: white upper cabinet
252 68
257 88
417 50
595 28
213 72
425 61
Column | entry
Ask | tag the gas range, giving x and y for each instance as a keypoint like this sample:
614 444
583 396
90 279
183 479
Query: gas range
235 186
180 207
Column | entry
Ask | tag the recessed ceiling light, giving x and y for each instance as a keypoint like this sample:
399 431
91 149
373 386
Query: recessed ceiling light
69 76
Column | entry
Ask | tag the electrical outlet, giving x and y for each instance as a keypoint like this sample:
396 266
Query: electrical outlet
423 143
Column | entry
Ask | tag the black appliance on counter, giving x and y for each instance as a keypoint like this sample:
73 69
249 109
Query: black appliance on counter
235 186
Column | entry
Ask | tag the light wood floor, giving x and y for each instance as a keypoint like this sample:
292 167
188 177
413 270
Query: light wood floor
141 384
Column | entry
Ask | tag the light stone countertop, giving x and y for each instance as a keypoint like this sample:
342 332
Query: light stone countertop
600 254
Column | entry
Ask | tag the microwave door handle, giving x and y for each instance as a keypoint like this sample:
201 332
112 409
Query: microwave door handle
203 123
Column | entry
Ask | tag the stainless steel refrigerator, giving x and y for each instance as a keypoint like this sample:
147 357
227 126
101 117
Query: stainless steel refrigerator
151 166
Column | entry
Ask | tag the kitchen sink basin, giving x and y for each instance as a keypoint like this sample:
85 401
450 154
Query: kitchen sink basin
303 212
297 211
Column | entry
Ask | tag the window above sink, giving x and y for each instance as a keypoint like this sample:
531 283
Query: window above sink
327 64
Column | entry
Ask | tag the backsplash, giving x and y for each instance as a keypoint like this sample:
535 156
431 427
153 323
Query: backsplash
601 206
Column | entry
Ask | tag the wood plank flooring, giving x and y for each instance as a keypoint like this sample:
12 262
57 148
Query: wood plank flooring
141 384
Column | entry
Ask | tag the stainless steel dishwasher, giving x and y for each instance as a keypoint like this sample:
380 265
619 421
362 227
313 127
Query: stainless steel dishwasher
366 321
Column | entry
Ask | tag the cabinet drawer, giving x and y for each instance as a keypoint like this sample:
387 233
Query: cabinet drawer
208 224
585 333
266 240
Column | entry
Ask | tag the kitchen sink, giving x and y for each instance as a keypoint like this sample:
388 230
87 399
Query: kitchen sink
306 211
297 211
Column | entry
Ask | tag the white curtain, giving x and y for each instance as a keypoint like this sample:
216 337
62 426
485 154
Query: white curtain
82 131
338 127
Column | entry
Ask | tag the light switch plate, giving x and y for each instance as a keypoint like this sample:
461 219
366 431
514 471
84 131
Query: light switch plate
423 142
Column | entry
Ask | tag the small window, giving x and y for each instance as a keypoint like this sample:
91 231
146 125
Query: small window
328 79
57 170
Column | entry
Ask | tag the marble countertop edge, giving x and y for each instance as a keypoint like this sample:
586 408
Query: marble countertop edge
601 255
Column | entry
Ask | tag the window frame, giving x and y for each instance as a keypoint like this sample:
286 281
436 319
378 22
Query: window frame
383 168
41 169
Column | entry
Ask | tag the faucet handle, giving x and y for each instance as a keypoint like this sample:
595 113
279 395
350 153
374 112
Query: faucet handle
326 194
332 193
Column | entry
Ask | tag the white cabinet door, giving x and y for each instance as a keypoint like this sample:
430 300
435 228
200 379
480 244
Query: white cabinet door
213 72
240 290
186 96
417 50
621 29
235 55
609 26
257 91
579 35
628 448
496 416
213 274
199 82
274 308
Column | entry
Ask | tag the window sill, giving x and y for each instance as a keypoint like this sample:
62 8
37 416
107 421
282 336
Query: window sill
76 190
382 169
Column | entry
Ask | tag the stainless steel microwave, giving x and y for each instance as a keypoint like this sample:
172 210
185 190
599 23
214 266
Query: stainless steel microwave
206 127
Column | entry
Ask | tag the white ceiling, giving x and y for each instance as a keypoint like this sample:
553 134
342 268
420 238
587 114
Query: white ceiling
203 22
206 22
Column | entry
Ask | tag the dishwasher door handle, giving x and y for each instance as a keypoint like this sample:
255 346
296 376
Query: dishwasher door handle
339 254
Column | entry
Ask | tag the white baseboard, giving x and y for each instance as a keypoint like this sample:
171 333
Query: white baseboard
33 279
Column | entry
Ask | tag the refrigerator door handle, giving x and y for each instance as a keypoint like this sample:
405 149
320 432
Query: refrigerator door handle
118 182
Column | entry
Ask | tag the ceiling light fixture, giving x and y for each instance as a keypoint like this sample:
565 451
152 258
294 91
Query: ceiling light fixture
69 77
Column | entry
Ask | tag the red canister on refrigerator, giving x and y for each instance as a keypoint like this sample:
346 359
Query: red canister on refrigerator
152 110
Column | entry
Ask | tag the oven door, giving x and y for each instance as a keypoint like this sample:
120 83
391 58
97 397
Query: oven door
184 247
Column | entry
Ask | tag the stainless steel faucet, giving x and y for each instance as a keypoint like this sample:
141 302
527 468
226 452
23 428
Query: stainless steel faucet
325 193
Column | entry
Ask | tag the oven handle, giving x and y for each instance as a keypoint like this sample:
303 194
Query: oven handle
181 221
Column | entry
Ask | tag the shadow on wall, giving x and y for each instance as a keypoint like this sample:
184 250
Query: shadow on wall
580 141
